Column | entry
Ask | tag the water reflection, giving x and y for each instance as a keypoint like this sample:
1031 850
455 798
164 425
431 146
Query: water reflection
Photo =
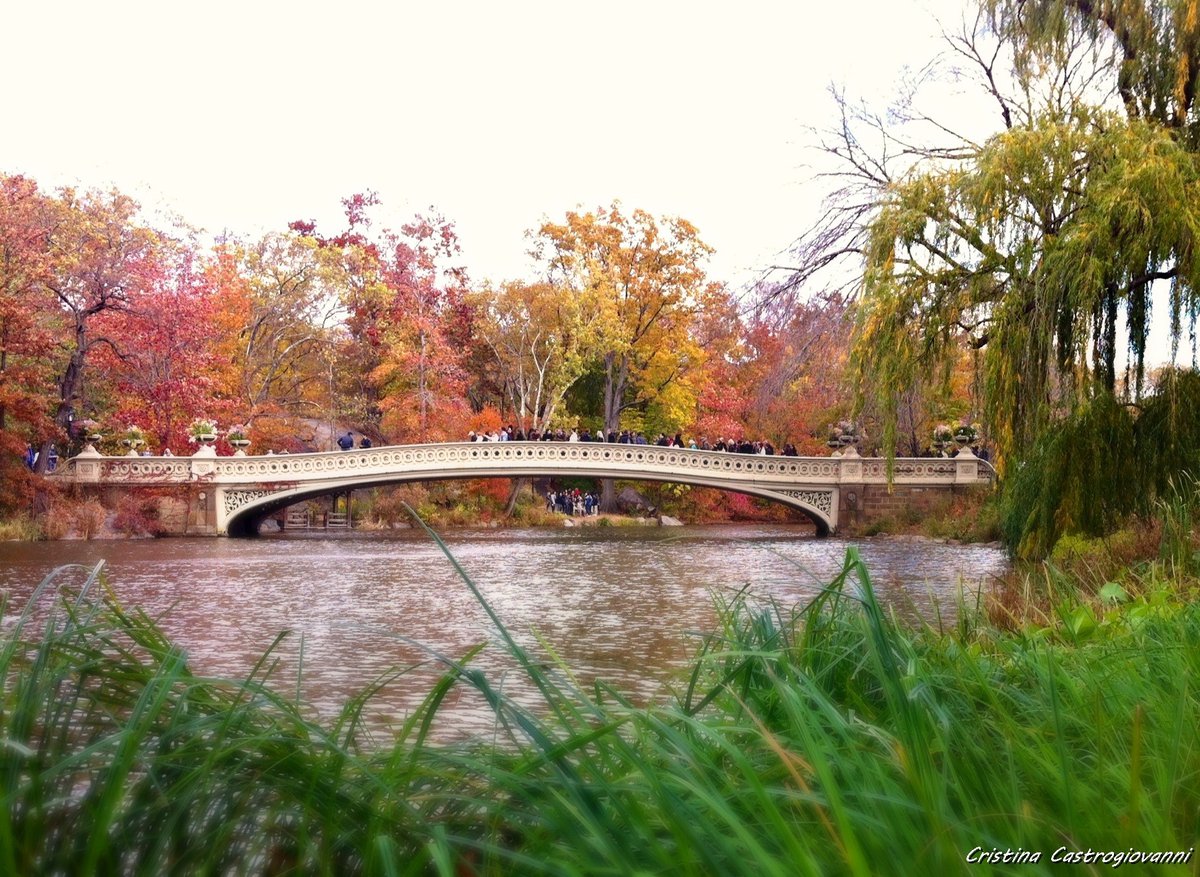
620 604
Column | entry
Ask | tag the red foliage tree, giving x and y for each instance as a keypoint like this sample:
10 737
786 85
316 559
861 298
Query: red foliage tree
27 311
161 363
100 257
407 322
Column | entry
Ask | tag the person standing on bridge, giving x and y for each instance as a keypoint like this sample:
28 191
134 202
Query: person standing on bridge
346 442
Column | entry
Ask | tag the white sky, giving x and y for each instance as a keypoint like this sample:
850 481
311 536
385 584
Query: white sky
242 116
245 115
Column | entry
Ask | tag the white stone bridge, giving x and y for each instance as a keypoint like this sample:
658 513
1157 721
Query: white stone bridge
230 496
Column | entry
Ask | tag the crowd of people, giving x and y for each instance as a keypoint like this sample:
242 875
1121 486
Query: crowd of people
573 502
631 437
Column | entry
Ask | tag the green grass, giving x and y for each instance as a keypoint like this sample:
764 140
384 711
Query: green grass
20 529
821 739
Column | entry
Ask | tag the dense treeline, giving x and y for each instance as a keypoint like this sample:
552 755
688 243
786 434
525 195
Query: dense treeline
108 322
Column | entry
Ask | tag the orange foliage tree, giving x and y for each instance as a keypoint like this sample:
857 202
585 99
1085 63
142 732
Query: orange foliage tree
641 282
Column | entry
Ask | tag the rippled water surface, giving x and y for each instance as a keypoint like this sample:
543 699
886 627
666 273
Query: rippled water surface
622 604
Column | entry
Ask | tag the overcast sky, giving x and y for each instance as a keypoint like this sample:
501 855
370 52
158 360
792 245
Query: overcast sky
243 116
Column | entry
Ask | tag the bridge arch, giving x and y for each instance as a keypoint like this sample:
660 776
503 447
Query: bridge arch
249 511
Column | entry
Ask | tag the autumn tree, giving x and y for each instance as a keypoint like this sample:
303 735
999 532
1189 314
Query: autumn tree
229 316
421 377
161 369
100 255
365 302
538 341
27 311
285 296
407 322
639 281
795 366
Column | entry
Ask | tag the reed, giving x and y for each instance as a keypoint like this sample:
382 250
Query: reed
819 739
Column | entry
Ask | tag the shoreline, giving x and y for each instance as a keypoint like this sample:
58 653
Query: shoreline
108 534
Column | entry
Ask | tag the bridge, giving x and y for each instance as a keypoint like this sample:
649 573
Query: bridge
231 496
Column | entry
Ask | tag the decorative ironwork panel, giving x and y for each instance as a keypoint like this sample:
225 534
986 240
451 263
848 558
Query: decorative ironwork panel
821 500
235 499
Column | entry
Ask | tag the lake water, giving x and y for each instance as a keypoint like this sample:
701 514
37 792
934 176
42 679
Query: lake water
623 604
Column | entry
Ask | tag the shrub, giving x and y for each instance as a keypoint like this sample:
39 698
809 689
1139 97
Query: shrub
89 519
56 523
534 514
385 505
969 517
137 516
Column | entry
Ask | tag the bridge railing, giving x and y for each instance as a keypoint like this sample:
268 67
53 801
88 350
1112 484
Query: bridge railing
517 458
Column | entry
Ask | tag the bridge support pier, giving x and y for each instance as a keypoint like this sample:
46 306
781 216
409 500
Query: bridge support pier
201 513
851 502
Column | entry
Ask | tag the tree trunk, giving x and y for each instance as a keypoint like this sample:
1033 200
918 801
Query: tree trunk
518 484
615 378
68 389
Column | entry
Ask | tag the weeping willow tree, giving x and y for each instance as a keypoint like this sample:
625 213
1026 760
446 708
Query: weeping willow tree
1044 246
1065 483
1168 434
1031 253
1148 51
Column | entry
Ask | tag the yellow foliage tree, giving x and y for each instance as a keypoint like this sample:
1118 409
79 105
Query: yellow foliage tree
639 283
539 339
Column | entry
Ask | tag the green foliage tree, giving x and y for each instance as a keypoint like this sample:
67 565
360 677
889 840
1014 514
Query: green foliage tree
1030 252
1040 246
1065 483
1146 53
1168 433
